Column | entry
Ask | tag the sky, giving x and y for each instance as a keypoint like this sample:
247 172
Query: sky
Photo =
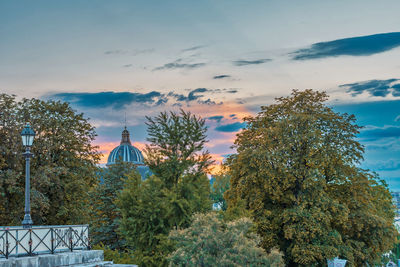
219 59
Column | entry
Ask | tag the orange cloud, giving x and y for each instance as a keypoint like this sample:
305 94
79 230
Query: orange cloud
225 110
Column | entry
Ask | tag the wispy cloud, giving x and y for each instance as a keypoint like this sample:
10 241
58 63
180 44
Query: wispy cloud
198 94
115 100
142 51
193 95
129 52
116 52
216 118
354 46
179 64
231 127
380 132
193 48
250 62
223 76
374 87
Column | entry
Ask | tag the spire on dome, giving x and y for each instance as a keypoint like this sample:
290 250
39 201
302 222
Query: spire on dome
125 137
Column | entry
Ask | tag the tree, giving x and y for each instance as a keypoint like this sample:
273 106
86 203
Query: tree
209 241
176 146
146 214
220 183
62 170
178 188
176 155
297 170
105 216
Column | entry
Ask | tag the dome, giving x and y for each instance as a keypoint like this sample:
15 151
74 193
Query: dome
126 151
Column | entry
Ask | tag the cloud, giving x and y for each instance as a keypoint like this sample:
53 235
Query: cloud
177 64
142 51
217 118
250 62
193 95
232 127
130 52
374 133
115 100
374 87
193 48
197 95
353 46
217 77
386 165
116 52
127 65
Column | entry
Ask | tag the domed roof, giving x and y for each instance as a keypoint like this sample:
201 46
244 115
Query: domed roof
125 151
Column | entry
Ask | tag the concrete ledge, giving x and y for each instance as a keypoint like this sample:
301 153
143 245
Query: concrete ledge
52 260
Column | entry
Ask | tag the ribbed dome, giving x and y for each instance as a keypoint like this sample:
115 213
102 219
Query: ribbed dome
125 151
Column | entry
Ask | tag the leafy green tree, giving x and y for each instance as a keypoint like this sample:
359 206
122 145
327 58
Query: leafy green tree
176 155
146 213
105 216
220 184
178 188
176 146
296 169
210 241
62 170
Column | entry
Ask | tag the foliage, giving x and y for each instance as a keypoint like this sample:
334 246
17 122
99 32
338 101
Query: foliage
220 184
296 169
211 242
168 199
105 215
176 146
145 218
63 167
118 257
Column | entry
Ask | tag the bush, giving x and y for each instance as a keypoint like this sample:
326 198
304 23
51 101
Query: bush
210 241
118 257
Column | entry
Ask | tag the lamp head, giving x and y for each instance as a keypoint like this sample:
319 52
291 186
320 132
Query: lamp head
27 135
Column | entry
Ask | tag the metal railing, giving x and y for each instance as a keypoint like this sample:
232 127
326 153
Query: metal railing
18 241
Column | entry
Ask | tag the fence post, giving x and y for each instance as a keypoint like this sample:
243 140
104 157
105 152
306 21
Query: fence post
7 244
30 242
88 239
70 238
52 240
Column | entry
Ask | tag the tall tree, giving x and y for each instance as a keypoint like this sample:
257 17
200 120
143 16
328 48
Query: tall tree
177 156
178 188
177 146
62 170
105 216
146 213
297 170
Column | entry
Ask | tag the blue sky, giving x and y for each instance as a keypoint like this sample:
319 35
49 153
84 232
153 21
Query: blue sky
220 59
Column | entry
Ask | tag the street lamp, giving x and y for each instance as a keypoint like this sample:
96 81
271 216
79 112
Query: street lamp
27 135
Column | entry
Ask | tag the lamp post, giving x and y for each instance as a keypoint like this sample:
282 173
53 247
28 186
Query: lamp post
27 135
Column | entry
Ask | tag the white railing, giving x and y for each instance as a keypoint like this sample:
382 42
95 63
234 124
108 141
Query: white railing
19 241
